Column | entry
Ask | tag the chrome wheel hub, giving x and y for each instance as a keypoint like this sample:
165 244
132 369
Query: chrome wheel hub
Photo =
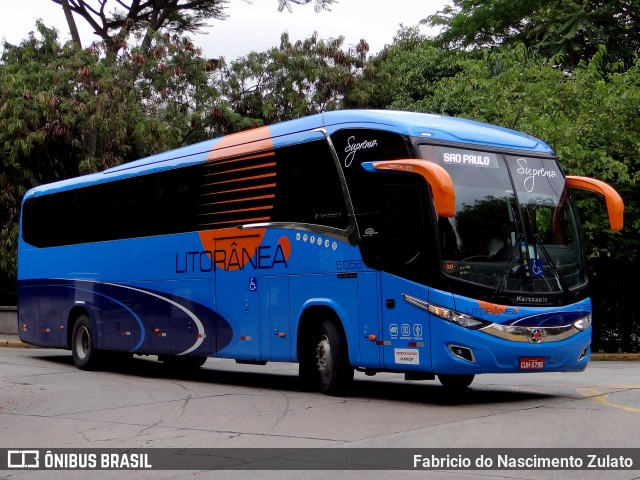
323 356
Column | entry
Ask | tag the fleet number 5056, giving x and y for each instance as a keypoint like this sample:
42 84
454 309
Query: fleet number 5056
349 265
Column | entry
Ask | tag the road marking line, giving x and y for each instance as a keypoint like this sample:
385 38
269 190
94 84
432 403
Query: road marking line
597 396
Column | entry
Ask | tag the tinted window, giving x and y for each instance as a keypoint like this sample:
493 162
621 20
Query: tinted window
355 146
134 204
92 217
34 214
178 196
390 207
404 243
308 187
58 225
298 183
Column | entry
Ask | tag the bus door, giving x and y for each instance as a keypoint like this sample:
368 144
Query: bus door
237 283
405 328
369 315
405 257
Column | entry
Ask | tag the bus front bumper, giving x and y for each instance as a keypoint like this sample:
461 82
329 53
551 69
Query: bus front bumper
456 350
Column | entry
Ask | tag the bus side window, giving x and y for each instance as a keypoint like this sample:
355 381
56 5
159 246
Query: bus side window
93 208
308 188
135 207
395 229
178 198
59 219
405 245
34 216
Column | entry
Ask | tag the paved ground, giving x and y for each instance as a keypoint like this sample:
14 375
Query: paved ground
46 402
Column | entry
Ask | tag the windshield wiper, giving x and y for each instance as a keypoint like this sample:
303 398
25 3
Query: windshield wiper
538 243
563 285
521 247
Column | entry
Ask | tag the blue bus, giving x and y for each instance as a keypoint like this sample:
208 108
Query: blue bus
376 241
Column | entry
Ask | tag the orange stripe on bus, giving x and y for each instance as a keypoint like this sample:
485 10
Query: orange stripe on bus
236 200
245 157
253 167
243 189
243 179
252 209
251 141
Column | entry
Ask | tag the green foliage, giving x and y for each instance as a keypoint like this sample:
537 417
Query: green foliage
66 111
293 80
408 71
570 29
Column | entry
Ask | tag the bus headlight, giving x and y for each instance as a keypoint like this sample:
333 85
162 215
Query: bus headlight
462 319
583 323
466 321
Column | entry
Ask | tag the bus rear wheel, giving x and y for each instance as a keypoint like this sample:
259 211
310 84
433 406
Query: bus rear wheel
85 355
335 374
456 382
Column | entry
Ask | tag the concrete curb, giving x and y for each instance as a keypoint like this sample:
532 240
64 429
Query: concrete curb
15 344
617 357
12 341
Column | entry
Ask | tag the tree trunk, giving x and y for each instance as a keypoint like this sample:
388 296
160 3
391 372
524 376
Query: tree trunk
73 29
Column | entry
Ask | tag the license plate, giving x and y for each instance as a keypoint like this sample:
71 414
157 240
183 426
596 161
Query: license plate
531 363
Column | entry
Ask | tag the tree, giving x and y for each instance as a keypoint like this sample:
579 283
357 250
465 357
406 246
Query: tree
568 30
71 22
148 16
114 26
408 71
318 4
294 79
53 95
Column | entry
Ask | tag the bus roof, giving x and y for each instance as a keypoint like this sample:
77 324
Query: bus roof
442 128
431 127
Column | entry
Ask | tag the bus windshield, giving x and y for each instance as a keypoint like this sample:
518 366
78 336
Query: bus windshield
514 229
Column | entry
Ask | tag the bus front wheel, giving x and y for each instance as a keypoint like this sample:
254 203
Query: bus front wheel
455 382
84 352
335 374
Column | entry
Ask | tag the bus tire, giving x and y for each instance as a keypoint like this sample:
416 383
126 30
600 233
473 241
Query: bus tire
335 374
85 355
456 382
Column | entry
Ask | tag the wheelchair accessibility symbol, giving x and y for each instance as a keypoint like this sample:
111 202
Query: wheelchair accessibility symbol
536 267
253 284
417 330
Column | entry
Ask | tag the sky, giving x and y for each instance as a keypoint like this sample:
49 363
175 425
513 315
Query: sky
255 26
